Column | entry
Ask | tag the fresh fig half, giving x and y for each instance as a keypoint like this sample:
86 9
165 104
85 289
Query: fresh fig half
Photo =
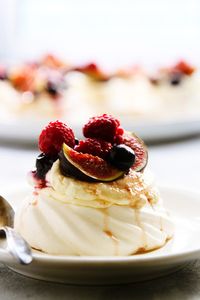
139 148
87 167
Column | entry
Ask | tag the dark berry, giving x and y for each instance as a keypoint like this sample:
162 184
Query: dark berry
175 78
53 136
44 163
122 157
3 73
76 141
52 88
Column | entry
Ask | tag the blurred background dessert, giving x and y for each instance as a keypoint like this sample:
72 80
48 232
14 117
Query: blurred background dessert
138 62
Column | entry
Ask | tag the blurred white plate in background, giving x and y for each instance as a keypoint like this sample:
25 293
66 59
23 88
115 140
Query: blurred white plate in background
27 131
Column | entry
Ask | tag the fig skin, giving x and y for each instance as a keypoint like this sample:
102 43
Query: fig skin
140 149
86 166
122 157
68 170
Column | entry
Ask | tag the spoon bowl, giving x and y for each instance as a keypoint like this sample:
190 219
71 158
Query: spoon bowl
6 213
16 245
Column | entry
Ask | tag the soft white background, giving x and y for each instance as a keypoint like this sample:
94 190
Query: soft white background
113 32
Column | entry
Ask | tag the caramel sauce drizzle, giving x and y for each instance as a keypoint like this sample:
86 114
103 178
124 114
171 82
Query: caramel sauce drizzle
144 236
109 233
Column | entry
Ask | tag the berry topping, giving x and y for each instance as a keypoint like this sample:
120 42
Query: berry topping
93 71
3 73
118 139
55 83
23 79
76 141
122 157
95 147
86 167
104 127
119 131
53 136
137 145
176 77
52 88
44 163
106 154
184 68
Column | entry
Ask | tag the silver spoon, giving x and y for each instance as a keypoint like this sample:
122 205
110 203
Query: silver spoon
16 245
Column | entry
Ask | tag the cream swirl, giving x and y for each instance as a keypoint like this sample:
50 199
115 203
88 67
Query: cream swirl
65 229
134 189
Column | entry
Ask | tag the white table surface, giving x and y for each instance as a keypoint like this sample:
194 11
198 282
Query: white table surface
175 163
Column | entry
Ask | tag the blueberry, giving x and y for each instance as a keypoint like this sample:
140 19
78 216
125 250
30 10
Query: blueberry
76 141
122 157
44 163
175 78
52 88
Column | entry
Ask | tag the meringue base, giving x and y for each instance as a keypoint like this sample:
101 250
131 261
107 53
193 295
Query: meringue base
60 228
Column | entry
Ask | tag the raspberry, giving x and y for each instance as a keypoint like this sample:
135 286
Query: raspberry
95 147
184 68
102 127
53 136
120 131
93 71
118 139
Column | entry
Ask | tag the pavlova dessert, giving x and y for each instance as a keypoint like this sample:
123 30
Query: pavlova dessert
34 90
86 93
93 196
177 88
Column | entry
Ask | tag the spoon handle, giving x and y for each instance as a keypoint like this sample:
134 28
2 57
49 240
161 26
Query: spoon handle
17 246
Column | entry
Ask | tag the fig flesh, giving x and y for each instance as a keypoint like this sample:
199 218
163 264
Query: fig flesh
87 167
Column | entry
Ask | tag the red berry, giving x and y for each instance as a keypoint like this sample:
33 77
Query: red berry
118 139
93 71
184 68
53 136
95 147
102 127
120 131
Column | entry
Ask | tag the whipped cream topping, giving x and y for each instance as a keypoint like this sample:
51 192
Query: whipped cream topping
135 190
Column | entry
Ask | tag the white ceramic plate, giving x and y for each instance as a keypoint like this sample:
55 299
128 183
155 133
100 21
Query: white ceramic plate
184 206
27 131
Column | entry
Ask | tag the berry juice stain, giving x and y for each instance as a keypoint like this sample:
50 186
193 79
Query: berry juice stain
39 183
